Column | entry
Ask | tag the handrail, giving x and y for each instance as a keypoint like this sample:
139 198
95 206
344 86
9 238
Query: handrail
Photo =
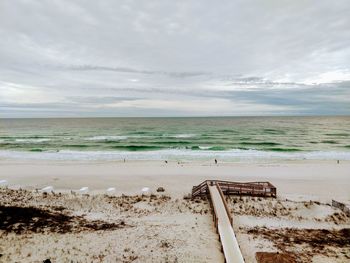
199 188
227 187
196 188
214 208
223 223
225 204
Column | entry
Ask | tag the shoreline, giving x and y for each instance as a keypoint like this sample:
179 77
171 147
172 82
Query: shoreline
234 155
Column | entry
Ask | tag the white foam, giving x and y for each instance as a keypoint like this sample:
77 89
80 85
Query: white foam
204 147
183 135
31 140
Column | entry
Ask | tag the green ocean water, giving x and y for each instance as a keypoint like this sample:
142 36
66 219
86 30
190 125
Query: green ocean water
179 137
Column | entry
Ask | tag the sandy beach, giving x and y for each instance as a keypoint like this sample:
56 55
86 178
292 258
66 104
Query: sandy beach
319 179
126 226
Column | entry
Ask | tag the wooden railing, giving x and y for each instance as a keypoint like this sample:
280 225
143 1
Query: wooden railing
230 188
215 218
224 224
225 204
200 189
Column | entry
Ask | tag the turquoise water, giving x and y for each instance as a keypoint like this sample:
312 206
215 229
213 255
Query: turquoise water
178 138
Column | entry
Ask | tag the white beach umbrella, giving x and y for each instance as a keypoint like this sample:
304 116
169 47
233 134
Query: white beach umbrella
110 190
3 183
145 190
84 190
47 189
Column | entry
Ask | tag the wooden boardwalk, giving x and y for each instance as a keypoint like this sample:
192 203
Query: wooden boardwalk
228 239
215 190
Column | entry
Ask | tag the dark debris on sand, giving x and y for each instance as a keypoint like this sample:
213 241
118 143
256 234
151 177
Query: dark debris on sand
31 219
316 238
23 211
268 257
319 241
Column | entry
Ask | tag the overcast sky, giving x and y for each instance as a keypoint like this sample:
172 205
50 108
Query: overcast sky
174 58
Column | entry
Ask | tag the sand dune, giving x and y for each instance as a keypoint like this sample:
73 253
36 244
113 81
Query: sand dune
126 226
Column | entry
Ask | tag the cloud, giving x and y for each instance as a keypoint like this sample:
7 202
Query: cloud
74 58
136 71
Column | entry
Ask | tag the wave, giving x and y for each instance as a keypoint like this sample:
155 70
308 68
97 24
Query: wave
182 135
228 131
194 148
36 150
139 133
283 149
23 137
135 148
205 148
184 154
32 140
76 145
260 143
171 142
107 138
329 141
273 131
217 148
338 134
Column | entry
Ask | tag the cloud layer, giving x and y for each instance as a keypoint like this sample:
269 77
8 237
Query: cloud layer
174 58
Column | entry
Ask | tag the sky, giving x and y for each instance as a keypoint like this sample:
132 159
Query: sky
117 58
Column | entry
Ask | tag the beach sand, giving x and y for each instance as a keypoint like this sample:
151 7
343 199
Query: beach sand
127 226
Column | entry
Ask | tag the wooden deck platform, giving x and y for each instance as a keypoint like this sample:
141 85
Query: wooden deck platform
265 189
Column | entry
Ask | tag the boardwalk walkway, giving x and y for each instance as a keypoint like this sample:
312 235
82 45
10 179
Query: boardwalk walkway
228 239
216 189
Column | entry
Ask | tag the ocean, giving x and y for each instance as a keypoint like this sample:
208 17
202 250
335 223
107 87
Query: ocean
223 138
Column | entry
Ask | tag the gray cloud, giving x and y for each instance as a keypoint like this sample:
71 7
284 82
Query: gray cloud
136 71
130 58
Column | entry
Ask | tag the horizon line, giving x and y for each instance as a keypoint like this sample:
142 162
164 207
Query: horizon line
161 117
